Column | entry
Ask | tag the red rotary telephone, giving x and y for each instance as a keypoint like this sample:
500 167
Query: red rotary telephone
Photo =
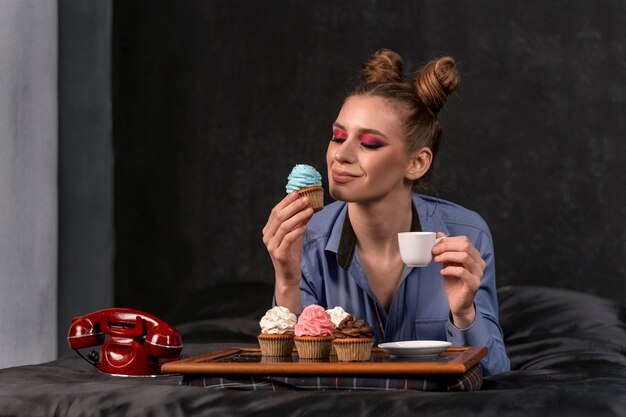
137 341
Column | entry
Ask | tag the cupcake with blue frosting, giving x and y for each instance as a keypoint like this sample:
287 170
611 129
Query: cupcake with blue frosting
305 180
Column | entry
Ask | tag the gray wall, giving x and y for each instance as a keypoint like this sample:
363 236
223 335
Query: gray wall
85 161
28 181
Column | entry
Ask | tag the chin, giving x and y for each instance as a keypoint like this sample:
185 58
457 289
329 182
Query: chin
335 194
341 195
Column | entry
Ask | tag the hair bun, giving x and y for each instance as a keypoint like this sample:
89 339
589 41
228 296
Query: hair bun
435 81
384 66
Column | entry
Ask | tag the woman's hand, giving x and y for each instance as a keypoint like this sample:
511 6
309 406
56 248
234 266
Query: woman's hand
462 271
283 236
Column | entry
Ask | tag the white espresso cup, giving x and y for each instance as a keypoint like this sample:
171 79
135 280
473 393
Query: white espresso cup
416 247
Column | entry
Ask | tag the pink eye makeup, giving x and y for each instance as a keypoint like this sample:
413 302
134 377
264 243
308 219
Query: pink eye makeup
366 140
371 142
339 134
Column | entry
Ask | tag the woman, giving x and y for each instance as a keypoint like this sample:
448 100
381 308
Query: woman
384 142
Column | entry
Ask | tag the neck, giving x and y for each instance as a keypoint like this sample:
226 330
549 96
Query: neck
377 224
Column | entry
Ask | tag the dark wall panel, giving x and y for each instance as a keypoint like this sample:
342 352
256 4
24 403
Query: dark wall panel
86 243
214 102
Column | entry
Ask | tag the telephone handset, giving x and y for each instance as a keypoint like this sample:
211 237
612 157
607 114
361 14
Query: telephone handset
138 342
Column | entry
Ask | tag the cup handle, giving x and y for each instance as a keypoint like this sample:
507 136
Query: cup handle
439 239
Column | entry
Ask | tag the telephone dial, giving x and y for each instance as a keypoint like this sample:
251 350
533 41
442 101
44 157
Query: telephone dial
138 343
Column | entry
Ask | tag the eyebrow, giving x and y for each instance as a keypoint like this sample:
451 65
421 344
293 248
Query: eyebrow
371 131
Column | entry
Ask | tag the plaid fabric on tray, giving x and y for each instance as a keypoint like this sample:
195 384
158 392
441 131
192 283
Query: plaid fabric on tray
470 381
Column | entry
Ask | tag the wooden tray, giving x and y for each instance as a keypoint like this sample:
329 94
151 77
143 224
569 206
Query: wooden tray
249 361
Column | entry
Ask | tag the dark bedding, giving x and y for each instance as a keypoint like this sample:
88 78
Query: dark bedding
567 349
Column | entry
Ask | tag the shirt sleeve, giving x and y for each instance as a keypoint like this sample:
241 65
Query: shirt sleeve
485 330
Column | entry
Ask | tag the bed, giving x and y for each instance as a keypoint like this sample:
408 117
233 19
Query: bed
567 350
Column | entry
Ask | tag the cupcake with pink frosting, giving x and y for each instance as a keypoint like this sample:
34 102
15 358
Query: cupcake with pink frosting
314 333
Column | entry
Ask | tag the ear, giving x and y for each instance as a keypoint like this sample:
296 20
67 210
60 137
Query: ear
419 164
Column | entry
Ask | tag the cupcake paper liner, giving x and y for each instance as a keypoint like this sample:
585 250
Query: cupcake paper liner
316 197
313 347
333 351
353 349
276 344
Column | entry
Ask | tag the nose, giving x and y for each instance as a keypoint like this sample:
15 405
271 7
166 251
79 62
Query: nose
345 152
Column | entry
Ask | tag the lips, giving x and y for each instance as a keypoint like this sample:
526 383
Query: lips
343 177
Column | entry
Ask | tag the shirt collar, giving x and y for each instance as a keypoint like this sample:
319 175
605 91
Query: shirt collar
347 241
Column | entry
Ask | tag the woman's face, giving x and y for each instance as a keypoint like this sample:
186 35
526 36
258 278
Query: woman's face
367 156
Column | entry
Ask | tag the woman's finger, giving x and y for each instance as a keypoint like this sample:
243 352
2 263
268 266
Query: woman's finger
457 244
460 259
289 198
289 206
470 280
282 252
300 218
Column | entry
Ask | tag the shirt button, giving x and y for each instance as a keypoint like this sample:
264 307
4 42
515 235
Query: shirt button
450 333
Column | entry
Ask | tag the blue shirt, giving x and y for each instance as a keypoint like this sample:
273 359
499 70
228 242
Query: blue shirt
332 275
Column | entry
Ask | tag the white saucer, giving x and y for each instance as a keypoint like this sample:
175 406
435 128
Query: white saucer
415 348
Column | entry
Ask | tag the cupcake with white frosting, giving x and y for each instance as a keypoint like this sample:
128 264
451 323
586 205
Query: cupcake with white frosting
337 314
277 332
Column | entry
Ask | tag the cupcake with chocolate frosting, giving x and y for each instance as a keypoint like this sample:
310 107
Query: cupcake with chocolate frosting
353 340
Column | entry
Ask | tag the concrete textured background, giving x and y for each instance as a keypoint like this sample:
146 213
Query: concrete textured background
28 181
